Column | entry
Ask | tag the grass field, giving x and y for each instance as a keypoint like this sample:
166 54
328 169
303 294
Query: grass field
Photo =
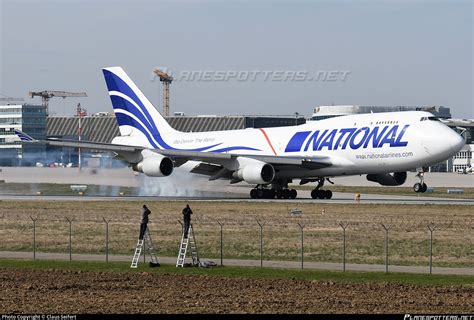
438 192
56 189
260 273
409 237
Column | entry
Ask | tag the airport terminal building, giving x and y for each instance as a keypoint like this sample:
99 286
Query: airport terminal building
325 112
27 118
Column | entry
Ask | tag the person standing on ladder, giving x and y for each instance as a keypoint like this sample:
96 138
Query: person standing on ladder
187 212
145 213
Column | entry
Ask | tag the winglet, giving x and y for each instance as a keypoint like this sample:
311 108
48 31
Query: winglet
23 136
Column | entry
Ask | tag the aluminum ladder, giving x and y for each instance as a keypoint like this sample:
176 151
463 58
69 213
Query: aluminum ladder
139 248
187 244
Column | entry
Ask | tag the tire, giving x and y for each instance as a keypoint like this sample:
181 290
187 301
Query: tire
328 194
260 193
293 194
286 193
270 194
424 187
320 194
253 193
314 194
417 187
279 194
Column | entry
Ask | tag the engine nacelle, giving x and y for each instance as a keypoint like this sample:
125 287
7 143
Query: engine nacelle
388 179
155 165
257 172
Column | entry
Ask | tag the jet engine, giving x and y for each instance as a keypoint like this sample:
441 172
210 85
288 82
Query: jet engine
257 172
388 179
155 165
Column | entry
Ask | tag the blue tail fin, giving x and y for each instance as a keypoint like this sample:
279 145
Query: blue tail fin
23 136
135 114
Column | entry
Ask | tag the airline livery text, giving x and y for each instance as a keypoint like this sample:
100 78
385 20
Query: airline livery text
354 138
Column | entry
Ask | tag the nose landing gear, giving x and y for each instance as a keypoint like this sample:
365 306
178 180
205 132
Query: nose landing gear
420 187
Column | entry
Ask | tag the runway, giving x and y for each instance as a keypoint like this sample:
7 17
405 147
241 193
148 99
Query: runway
190 187
303 197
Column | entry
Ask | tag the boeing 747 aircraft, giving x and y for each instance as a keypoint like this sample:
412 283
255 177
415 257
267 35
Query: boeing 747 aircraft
383 146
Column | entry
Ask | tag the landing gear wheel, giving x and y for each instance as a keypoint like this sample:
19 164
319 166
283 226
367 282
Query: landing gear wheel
269 193
253 193
424 187
417 187
420 186
279 194
328 194
321 194
293 194
260 193
286 193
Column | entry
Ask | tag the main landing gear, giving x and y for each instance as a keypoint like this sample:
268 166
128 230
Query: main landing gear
421 186
279 190
321 194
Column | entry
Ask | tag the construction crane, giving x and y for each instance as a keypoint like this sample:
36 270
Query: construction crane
47 94
80 112
166 79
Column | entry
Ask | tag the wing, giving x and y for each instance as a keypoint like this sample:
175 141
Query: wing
215 165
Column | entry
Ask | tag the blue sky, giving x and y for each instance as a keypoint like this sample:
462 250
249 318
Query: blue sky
396 52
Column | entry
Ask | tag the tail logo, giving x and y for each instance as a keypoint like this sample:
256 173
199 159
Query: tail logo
130 110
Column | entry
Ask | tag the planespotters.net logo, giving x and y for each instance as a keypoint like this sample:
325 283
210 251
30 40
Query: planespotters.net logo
256 75
439 317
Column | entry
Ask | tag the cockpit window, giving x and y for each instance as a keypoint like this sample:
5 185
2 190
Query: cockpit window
429 119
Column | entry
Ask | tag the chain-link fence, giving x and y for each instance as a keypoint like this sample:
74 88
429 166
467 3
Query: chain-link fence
390 241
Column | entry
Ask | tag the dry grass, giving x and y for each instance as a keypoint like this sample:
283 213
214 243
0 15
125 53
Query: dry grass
408 237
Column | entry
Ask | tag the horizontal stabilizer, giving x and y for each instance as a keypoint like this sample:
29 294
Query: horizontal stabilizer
23 136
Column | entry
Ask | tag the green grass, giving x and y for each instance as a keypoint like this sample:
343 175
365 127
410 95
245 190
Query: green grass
439 192
57 189
408 242
248 272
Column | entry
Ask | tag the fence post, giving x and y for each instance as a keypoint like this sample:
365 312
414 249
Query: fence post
344 227
106 239
70 220
302 244
386 228
222 243
34 236
261 242
431 228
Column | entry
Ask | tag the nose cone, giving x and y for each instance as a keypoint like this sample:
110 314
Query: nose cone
456 141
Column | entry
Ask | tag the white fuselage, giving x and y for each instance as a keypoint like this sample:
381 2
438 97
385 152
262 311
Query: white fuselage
355 144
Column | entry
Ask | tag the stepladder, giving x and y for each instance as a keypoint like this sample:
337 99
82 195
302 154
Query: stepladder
148 243
188 245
